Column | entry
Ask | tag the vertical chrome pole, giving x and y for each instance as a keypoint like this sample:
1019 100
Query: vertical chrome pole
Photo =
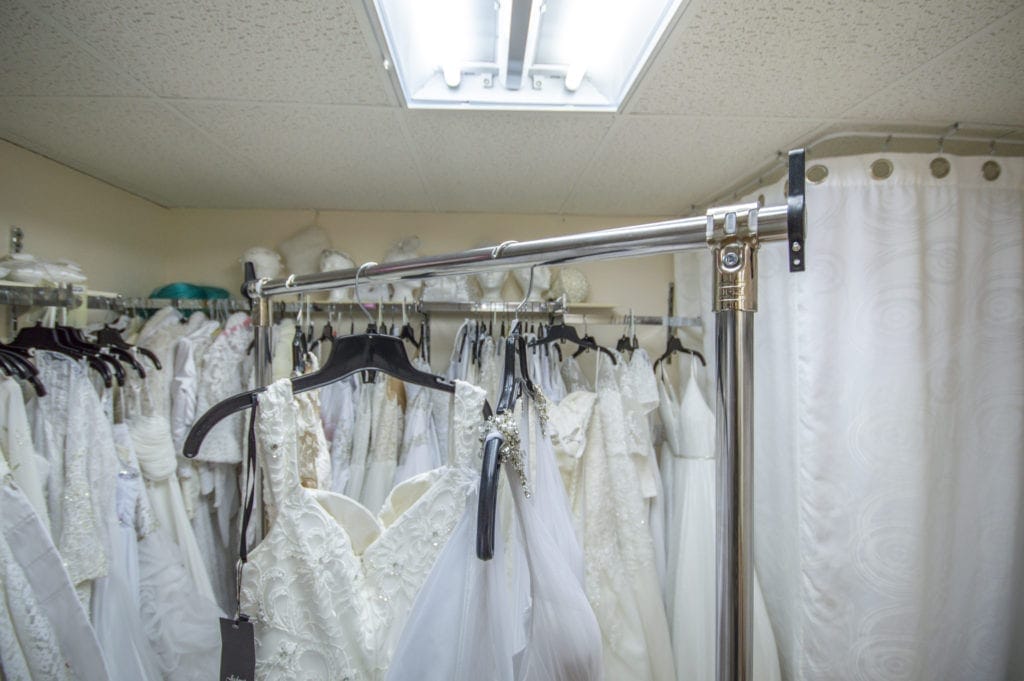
734 332
732 235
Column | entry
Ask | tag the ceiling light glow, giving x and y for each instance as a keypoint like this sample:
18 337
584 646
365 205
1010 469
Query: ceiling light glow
582 55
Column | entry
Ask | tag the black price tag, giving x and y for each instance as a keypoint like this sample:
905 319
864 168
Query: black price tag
237 650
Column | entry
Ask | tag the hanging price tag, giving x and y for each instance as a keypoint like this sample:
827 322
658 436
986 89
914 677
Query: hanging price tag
237 649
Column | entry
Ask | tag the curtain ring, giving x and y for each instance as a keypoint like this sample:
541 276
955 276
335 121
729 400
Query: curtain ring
290 281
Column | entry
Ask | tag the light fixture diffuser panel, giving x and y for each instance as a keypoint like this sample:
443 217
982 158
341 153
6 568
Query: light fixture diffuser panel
579 55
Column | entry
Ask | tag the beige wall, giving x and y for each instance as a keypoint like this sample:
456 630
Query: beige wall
116 237
208 244
130 245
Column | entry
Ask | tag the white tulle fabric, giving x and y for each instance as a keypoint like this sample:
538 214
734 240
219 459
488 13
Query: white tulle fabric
471 622
330 586
690 588
115 600
181 625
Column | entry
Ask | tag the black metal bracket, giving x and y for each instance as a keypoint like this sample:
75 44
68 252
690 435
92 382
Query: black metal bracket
796 211
250 276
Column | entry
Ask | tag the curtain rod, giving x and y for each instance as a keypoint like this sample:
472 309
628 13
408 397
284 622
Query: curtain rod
620 242
950 134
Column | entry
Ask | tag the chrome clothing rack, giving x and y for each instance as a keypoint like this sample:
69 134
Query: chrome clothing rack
733 234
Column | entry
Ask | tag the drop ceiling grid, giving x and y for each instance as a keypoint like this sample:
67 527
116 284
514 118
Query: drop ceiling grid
308 52
742 58
37 60
334 135
325 156
137 144
665 164
116 73
956 85
501 161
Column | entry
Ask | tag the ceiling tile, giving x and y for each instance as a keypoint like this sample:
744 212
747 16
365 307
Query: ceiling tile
811 59
500 161
38 60
980 80
135 144
353 158
257 50
660 165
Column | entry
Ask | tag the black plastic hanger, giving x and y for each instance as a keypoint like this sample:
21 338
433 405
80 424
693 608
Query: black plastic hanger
675 345
568 333
349 355
19 357
112 338
490 471
73 337
41 337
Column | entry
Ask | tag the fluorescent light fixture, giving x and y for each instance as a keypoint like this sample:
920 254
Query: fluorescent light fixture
581 55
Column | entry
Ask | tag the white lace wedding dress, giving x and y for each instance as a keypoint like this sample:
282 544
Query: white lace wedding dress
45 633
470 620
330 586
690 439
610 505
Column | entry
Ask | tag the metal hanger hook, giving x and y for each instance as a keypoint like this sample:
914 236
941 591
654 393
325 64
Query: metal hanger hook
359 300
529 290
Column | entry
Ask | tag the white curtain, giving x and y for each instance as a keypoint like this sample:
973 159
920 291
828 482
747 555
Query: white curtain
890 424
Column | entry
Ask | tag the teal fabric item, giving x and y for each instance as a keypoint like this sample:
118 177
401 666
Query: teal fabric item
181 290
184 291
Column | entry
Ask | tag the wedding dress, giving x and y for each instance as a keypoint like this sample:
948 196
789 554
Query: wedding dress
151 438
385 441
181 626
44 630
330 586
72 432
339 402
610 508
218 362
28 469
690 436
420 449
469 621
